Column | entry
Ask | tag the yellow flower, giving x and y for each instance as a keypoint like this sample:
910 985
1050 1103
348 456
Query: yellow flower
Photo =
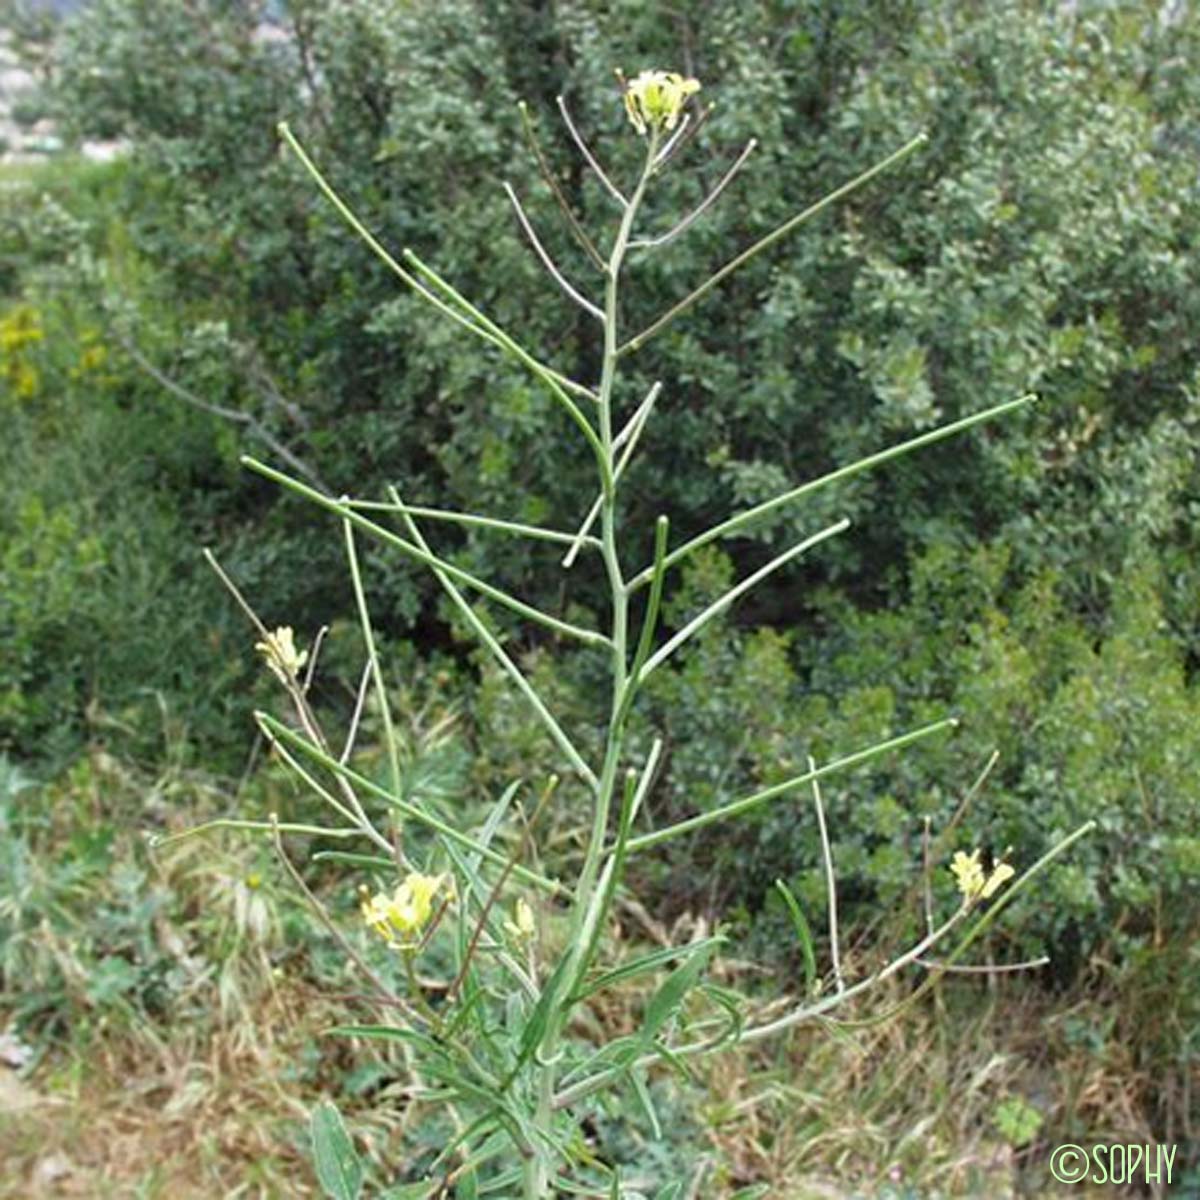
972 882
405 912
522 928
1000 875
279 650
655 99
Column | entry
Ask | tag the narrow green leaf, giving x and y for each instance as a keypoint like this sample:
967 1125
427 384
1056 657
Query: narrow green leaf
804 934
539 1019
492 824
393 1033
501 1184
642 1092
355 860
672 992
642 966
732 1002
338 1167
672 1191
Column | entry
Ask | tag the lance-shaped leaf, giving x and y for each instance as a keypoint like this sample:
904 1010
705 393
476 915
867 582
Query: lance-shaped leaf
338 1167
800 924
643 966
673 990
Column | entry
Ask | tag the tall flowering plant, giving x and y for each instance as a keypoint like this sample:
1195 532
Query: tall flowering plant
492 1043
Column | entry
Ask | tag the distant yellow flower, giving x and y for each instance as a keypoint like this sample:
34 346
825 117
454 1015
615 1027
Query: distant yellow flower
972 882
397 917
655 99
281 656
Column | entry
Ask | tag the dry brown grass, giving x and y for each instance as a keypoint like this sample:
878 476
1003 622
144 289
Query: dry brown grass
193 1117
904 1108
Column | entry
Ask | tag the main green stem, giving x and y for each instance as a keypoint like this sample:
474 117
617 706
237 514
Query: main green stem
538 1169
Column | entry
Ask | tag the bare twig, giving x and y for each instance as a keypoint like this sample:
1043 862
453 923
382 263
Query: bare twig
253 426
307 718
609 186
552 183
689 131
985 969
356 716
702 207
497 887
547 261
664 155
318 642
830 881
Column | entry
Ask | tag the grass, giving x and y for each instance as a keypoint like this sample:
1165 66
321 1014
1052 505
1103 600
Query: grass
191 1073
906 1108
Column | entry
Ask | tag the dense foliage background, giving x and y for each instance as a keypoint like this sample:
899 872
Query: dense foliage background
1037 577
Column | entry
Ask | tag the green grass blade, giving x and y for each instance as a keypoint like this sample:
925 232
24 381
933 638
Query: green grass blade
642 966
803 933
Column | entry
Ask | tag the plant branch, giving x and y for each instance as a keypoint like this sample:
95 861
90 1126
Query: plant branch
422 555
548 175
364 616
830 881
704 205
723 602
548 262
280 732
534 532
252 424
737 807
589 158
514 672
740 521
635 343
489 333
628 437
551 379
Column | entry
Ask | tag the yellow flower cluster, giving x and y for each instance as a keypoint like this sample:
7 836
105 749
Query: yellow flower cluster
396 918
655 99
281 656
972 882
20 330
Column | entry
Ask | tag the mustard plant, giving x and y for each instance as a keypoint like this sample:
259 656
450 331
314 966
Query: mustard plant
495 1042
